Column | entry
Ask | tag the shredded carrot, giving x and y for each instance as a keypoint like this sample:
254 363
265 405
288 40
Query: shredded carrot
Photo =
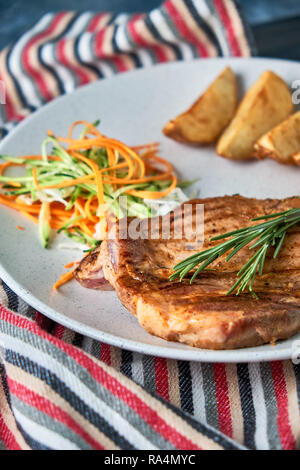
55 224
79 208
146 146
87 209
8 202
64 184
92 129
64 278
163 176
15 184
69 265
98 177
85 229
153 156
154 194
112 160
35 178
80 144
3 167
126 166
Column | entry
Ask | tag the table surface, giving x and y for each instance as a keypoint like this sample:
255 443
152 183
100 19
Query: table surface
275 23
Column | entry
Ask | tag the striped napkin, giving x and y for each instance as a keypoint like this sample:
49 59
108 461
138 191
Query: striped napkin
61 390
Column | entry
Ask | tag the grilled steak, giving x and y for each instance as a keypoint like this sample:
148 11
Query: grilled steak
200 314
90 273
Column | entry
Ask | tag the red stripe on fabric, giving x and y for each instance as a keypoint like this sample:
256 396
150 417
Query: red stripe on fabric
141 41
7 436
115 58
99 36
285 432
59 331
109 382
83 78
92 27
119 63
36 75
39 319
137 16
183 28
105 354
161 377
225 17
41 403
223 402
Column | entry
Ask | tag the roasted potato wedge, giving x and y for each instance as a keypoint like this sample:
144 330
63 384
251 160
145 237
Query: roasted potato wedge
267 103
282 142
204 121
296 158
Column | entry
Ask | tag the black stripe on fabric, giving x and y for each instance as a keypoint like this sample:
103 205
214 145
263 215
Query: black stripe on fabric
203 25
51 71
77 340
18 85
132 55
52 328
247 405
112 19
89 66
67 394
3 132
31 313
53 40
81 407
126 364
96 349
135 58
114 41
185 387
209 432
33 444
69 25
15 81
154 31
209 391
149 373
67 28
13 301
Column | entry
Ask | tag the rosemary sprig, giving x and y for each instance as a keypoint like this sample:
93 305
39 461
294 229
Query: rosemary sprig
265 235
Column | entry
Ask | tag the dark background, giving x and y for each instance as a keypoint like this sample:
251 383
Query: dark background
275 23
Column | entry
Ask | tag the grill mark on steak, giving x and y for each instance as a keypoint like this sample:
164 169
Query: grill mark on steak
201 314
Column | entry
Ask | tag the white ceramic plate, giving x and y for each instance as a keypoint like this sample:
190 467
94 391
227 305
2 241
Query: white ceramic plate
134 107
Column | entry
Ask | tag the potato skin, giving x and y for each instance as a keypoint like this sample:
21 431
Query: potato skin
281 143
204 121
267 103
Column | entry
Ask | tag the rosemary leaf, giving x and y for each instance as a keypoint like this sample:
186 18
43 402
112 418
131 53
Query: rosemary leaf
265 235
